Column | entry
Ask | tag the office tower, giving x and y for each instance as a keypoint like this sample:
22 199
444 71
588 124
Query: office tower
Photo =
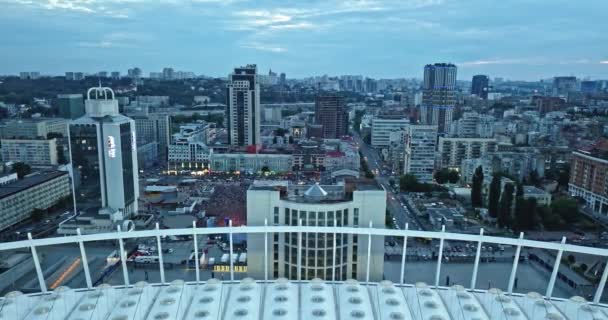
153 128
383 126
563 85
480 86
115 75
420 141
71 106
35 152
243 106
104 157
33 128
332 114
438 95
350 204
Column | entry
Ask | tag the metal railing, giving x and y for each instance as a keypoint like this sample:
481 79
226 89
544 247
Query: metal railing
368 232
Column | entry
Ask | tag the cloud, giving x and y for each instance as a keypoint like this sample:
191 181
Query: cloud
604 62
118 40
263 47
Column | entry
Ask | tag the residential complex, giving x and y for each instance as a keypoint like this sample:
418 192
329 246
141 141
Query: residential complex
420 142
454 151
589 177
345 204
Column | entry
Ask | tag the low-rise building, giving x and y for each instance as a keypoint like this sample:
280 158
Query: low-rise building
543 198
18 199
35 152
250 162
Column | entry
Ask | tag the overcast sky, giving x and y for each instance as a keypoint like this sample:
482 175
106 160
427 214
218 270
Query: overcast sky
515 39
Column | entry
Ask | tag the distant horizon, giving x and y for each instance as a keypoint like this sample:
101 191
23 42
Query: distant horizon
146 75
384 39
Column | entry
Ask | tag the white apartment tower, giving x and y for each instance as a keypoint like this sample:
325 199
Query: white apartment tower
243 106
103 152
420 142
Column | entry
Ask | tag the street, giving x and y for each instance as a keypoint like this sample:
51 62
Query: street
394 204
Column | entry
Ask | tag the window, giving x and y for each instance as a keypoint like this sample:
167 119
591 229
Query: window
345 217
286 216
356 217
276 216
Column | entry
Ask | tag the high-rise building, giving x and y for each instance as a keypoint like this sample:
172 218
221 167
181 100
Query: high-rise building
71 106
563 85
33 128
438 95
104 157
168 74
454 151
134 73
420 141
480 86
243 106
332 114
384 126
347 204
153 128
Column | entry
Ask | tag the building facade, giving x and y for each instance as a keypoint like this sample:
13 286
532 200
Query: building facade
420 142
480 86
154 128
250 162
71 106
454 151
347 204
331 112
33 128
589 179
243 107
187 150
438 95
35 152
103 151
18 199
383 127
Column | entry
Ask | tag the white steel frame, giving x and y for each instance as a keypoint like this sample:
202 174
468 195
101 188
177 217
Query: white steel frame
405 233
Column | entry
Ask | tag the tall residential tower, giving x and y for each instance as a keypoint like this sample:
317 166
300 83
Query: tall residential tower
438 95
243 106
332 114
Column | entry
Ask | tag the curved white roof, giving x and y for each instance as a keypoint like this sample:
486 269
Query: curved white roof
283 299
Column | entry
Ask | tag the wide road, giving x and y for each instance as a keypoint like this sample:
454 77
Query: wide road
394 203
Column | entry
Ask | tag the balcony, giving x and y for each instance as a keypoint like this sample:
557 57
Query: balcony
413 287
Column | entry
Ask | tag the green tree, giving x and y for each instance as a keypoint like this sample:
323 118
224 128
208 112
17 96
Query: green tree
566 209
494 196
534 179
520 214
454 176
506 202
476 197
550 220
408 182
38 214
21 169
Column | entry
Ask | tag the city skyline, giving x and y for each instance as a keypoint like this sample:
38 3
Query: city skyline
542 40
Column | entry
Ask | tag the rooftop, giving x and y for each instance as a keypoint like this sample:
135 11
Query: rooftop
28 182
